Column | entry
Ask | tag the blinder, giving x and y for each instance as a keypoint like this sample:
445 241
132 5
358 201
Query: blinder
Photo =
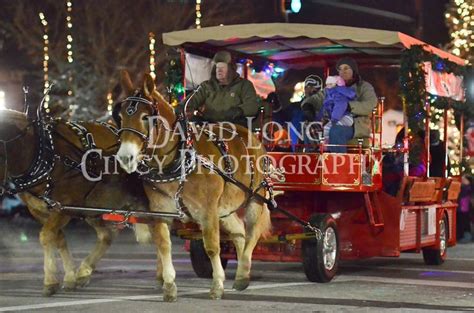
132 107
116 114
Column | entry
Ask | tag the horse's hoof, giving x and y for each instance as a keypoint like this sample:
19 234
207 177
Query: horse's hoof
69 285
241 284
217 291
83 281
216 294
170 292
159 283
49 290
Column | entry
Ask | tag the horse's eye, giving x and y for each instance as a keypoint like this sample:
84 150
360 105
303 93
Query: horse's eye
145 118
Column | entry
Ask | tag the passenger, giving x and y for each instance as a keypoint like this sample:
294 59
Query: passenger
224 97
437 155
361 108
393 165
464 210
281 141
312 84
335 104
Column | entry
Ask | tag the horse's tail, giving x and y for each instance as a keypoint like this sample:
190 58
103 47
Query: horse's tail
142 233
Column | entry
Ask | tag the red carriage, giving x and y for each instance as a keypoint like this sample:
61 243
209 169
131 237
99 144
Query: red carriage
340 193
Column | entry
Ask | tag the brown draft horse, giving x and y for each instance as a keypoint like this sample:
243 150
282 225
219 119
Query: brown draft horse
210 200
21 148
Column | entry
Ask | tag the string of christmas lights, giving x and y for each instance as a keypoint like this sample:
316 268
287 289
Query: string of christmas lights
44 22
151 37
110 102
70 58
460 20
69 30
198 14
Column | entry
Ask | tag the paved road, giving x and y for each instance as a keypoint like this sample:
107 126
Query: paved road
124 281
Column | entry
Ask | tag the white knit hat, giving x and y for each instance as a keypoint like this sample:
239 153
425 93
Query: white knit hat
335 80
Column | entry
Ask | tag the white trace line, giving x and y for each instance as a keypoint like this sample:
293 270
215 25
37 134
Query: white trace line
405 281
139 297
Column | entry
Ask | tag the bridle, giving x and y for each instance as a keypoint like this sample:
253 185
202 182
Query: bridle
132 108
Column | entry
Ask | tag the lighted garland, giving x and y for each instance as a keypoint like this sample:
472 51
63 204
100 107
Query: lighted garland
415 96
413 86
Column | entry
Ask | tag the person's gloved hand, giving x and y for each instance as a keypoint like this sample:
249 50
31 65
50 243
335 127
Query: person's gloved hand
315 129
308 116
235 112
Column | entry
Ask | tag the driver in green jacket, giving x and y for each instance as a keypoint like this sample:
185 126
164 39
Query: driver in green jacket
224 97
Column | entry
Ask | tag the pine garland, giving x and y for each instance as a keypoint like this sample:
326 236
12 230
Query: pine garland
414 94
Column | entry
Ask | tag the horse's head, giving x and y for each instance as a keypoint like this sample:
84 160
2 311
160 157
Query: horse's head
143 116
13 126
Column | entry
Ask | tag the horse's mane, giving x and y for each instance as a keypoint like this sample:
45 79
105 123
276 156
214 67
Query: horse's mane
17 118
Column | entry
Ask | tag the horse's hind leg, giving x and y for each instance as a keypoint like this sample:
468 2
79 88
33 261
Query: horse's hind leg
258 222
49 239
159 273
161 234
69 282
234 226
105 236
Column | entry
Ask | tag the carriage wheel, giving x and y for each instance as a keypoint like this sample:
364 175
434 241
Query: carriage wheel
200 261
321 257
438 256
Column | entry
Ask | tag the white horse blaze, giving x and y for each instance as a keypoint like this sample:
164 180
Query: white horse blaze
128 151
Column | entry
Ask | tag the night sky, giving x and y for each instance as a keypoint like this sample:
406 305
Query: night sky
434 32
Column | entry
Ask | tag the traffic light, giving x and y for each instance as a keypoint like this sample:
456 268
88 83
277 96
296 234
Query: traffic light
291 6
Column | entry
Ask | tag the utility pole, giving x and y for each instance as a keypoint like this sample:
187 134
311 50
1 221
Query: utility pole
419 19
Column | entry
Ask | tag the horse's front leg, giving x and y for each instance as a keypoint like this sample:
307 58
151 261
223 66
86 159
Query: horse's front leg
69 281
211 238
105 236
161 235
49 238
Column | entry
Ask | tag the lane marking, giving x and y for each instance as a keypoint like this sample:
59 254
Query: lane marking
138 297
411 269
405 281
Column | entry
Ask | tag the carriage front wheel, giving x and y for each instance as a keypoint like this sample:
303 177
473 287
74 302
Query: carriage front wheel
321 257
200 261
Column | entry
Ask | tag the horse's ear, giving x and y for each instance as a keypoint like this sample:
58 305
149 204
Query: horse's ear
148 85
126 81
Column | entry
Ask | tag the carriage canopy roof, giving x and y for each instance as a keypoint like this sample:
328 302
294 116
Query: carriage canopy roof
299 45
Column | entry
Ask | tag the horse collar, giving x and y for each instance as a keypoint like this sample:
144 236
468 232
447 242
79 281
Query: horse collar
42 164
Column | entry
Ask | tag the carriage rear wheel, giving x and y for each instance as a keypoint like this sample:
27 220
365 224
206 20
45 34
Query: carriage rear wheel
321 257
438 256
200 261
